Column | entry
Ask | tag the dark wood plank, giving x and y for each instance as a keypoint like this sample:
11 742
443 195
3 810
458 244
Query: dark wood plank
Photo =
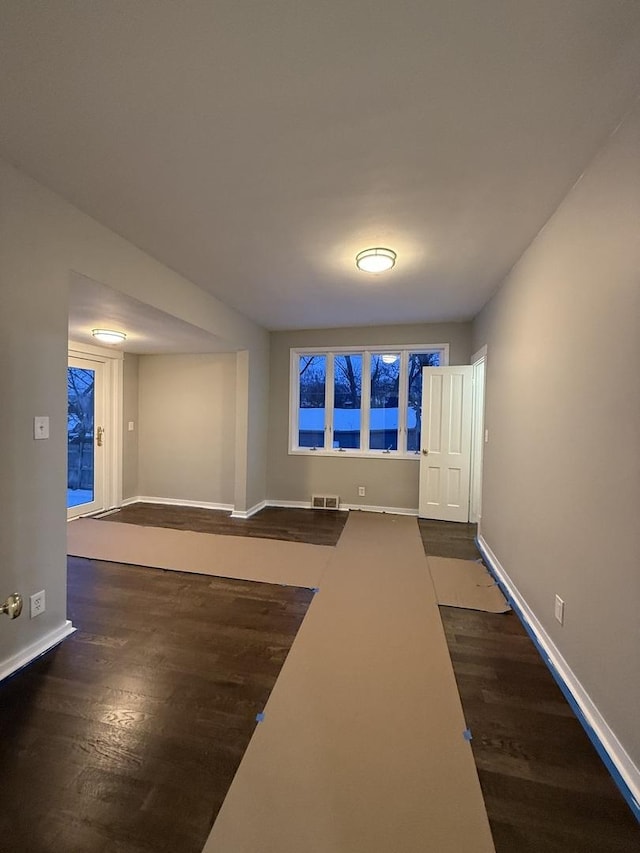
316 527
127 736
545 788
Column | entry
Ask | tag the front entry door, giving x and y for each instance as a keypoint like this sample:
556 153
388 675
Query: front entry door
445 459
85 437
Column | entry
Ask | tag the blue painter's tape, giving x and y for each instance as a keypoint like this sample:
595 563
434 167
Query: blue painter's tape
466 734
260 717
315 589
606 759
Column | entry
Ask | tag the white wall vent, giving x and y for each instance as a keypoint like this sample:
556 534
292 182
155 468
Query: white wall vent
325 502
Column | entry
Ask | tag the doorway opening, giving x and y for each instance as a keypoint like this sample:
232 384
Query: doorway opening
450 484
94 431
478 436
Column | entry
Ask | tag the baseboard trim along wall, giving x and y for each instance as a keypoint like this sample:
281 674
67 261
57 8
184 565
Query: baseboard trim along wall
146 499
35 650
624 772
291 504
244 514
392 510
239 513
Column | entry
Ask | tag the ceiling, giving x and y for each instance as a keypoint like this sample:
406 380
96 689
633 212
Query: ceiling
149 331
255 147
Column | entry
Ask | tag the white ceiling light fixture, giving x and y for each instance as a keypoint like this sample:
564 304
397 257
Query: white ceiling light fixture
375 260
390 357
108 336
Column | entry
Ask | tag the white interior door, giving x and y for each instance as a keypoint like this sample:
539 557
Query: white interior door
445 459
85 437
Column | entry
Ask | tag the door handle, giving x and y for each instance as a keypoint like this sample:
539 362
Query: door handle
12 606
99 436
425 452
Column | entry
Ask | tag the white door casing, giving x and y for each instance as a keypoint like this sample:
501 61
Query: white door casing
97 503
477 438
445 460
111 363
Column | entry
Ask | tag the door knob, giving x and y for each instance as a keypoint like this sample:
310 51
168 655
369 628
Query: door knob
12 606
425 452
99 436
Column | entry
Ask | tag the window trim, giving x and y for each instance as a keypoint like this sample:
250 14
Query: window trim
366 351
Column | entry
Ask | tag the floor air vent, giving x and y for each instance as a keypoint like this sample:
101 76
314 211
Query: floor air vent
325 502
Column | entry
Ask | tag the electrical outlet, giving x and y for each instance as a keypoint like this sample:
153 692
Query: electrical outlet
361 491
37 604
559 610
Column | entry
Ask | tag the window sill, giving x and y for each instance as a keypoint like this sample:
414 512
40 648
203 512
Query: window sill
356 454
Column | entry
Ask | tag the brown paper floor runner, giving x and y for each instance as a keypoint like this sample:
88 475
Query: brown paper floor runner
465 583
265 560
361 749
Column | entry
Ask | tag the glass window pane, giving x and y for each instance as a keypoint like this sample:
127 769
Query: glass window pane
417 360
383 416
347 391
312 377
80 417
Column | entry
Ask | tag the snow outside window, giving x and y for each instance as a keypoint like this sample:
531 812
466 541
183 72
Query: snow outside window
359 401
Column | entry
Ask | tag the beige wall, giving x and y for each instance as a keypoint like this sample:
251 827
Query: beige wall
33 354
562 466
130 437
388 482
257 450
187 427
252 373
43 238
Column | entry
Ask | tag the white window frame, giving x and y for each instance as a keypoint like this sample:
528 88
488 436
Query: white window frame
366 352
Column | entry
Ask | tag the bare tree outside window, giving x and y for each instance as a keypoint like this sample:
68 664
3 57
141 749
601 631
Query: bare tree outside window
348 381
80 425
347 402
327 405
312 377
385 380
417 360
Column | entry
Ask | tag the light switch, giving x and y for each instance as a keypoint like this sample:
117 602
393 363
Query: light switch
130 426
41 426
486 436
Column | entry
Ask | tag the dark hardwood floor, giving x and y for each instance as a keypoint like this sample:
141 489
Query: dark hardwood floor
316 527
446 539
126 737
545 787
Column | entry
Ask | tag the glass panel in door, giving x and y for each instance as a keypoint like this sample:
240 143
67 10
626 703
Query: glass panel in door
84 437
81 384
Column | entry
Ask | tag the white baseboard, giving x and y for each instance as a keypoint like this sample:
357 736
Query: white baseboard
392 510
344 507
239 513
127 501
103 514
614 755
290 504
244 514
146 499
33 651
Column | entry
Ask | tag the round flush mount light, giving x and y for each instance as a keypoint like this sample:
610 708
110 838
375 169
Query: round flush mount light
375 260
108 336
